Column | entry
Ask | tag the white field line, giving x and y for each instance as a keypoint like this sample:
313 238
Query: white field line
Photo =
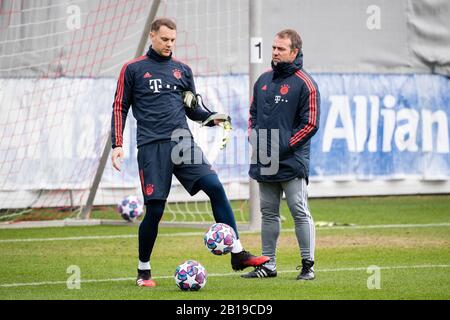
355 269
188 234
387 226
182 234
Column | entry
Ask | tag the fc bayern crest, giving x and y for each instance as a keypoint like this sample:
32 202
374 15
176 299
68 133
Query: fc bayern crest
177 73
284 89
149 189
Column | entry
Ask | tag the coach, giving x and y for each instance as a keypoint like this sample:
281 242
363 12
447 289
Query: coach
285 108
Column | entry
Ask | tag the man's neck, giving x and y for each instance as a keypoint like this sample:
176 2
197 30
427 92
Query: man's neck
156 56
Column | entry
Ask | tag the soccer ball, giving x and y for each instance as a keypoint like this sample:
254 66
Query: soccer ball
190 276
220 238
130 208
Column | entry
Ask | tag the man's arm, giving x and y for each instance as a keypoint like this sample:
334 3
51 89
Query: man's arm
200 115
252 112
309 113
121 105
196 114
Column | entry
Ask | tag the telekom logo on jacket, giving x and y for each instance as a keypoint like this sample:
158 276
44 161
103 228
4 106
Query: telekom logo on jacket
155 85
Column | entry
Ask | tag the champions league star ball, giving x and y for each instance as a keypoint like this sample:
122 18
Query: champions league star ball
130 208
190 276
220 238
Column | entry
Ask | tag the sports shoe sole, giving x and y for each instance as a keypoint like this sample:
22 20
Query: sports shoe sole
145 283
261 276
306 278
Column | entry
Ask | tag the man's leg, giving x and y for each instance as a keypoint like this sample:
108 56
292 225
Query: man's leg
270 197
148 231
297 199
223 213
155 171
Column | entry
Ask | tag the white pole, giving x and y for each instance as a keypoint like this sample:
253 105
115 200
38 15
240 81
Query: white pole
256 68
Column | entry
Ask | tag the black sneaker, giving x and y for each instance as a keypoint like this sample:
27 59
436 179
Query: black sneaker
144 279
244 259
260 272
307 272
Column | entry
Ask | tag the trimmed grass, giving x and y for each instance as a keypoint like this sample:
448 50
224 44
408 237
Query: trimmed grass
383 210
414 261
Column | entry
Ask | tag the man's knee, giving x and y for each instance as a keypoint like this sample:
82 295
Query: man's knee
270 211
216 186
154 210
299 211
211 185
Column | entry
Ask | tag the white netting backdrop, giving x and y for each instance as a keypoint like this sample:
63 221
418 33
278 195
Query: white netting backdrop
59 64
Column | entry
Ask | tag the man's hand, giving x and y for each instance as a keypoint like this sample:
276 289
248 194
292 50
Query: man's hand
226 124
117 157
223 120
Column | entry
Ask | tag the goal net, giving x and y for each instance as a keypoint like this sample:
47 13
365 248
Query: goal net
59 63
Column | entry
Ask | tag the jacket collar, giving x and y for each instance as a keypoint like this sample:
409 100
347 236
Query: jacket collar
285 69
152 54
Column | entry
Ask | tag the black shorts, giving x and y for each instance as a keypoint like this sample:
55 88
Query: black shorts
158 161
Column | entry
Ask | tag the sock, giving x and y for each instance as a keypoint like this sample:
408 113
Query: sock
271 265
237 246
144 265
148 229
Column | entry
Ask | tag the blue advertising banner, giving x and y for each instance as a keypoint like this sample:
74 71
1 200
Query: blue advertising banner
371 127
382 126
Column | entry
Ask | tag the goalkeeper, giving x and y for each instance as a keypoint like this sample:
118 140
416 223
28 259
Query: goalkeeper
155 85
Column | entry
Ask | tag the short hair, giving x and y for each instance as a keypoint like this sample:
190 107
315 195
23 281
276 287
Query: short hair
296 41
163 22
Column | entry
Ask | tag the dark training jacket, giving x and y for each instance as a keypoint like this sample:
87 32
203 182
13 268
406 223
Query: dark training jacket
153 86
288 99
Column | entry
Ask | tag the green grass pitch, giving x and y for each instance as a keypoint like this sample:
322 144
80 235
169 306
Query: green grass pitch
413 257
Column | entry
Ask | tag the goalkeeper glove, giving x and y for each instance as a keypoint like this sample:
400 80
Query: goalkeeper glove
225 124
190 100
226 132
